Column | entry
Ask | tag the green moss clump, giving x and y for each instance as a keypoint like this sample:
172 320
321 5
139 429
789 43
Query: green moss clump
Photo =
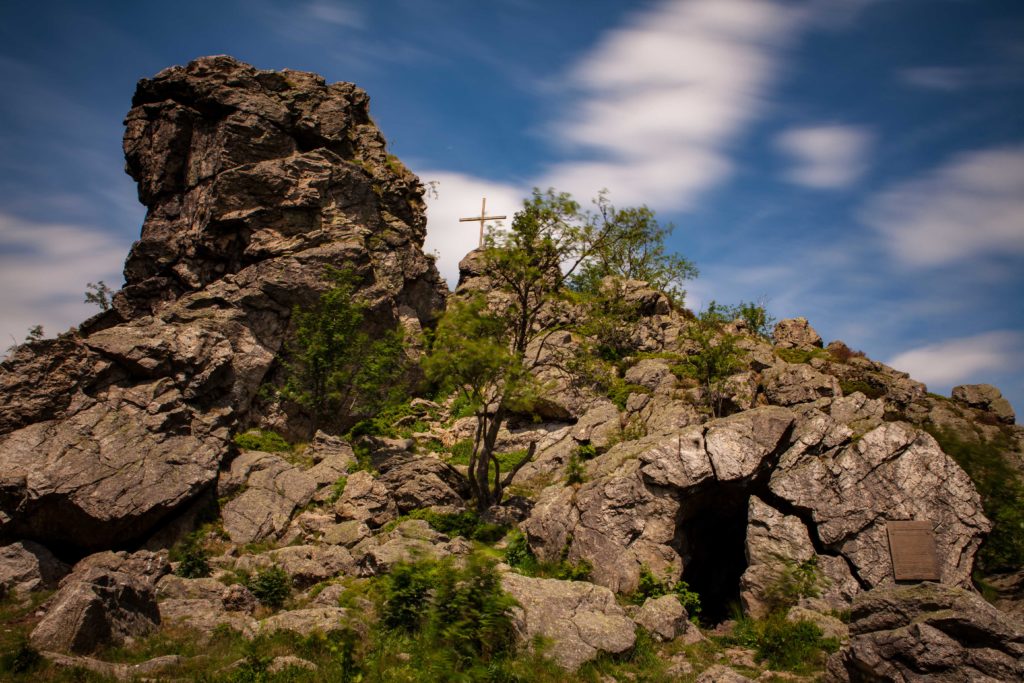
262 440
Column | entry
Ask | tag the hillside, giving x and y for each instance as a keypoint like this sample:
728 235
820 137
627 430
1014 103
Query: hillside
174 505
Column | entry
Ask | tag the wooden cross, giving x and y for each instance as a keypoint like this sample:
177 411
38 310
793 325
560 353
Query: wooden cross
483 217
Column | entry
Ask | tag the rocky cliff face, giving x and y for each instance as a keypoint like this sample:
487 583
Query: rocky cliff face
254 182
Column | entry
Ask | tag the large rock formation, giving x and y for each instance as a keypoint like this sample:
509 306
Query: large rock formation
255 182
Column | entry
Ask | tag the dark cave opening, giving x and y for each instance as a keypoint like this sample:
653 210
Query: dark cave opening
712 538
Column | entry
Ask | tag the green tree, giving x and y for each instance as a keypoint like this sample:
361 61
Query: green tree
633 249
488 347
336 369
717 356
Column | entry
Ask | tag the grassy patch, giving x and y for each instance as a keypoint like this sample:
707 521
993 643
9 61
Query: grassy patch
262 440
866 388
802 355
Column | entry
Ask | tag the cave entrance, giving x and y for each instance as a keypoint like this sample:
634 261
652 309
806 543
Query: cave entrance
711 540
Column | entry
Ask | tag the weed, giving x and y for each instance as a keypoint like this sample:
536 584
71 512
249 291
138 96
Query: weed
193 558
271 586
262 440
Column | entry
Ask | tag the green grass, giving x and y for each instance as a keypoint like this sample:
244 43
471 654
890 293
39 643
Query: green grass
802 355
869 390
262 440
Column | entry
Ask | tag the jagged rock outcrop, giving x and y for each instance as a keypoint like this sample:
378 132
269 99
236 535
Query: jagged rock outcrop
928 632
580 619
796 333
106 599
987 398
255 182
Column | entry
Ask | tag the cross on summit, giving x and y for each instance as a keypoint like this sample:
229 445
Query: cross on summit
483 218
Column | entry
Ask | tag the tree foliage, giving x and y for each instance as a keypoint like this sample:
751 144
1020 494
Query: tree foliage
336 368
100 294
633 248
717 355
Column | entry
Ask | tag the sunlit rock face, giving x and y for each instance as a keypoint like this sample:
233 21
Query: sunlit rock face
254 182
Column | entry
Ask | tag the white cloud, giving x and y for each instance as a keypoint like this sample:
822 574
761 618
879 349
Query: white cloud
972 206
825 157
663 97
44 269
964 359
459 196
336 13
955 78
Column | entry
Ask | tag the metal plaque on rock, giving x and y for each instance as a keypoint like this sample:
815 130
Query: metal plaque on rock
912 549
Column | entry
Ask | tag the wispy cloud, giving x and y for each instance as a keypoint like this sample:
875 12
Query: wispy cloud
337 13
963 359
44 269
459 196
972 206
825 157
662 98
955 78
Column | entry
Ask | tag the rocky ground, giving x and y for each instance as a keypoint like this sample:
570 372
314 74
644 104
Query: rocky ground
161 518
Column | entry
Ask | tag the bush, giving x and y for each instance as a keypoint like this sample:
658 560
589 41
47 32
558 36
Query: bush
466 524
407 595
650 586
21 659
517 552
270 586
793 582
869 390
193 558
262 440
783 644
574 472
1002 495
519 556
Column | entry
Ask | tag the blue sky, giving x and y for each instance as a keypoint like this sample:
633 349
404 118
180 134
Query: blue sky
857 162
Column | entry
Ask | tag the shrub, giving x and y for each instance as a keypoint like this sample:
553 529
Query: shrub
783 644
574 472
793 582
586 451
869 390
841 353
193 558
21 659
270 586
470 611
338 490
1002 495
801 355
519 556
262 440
517 552
407 595
466 524
650 586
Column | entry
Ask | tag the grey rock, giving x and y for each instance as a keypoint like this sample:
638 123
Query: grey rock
796 333
238 598
894 472
719 673
928 632
666 619
121 672
367 500
310 620
274 490
830 626
985 397
653 374
581 620
254 181
27 566
305 564
204 616
180 588
420 482
410 541
279 664
789 384
332 457
94 607
346 533
858 411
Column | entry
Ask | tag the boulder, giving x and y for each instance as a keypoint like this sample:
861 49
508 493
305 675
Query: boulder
893 472
928 632
254 182
789 384
332 457
311 620
274 490
96 606
205 616
410 541
346 533
121 672
367 500
419 482
795 333
666 619
305 564
27 566
580 620
719 673
985 397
